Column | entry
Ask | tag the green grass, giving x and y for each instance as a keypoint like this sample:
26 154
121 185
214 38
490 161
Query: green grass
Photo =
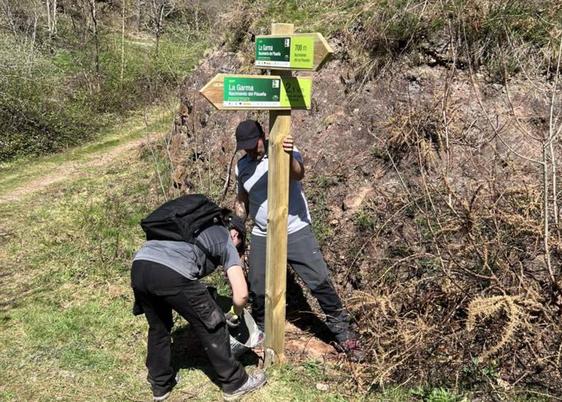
67 330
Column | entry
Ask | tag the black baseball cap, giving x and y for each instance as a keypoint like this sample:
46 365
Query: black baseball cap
235 222
247 134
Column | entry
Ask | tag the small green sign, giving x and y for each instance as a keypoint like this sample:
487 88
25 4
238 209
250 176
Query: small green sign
267 92
285 52
273 52
256 92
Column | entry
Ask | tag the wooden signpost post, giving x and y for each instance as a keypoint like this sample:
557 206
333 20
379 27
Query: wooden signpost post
282 52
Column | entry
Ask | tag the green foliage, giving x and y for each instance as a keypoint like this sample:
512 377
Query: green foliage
437 395
476 372
365 220
325 16
54 94
35 117
502 36
317 196
396 26
147 76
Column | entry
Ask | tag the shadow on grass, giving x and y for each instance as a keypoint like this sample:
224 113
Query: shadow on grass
188 353
300 314
13 292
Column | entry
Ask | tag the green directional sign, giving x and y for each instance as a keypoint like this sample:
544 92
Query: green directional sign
266 92
243 91
303 51
294 52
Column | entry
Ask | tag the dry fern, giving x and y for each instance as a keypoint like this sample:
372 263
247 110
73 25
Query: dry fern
486 307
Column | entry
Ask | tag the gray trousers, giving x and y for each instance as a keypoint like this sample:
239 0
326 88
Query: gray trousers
305 257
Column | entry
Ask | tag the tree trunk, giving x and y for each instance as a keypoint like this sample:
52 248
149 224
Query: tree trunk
554 130
49 23
51 6
122 44
197 17
159 27
33 37
54 18
95 34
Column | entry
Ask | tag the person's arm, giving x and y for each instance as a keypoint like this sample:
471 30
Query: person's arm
241 203
296 171
239 288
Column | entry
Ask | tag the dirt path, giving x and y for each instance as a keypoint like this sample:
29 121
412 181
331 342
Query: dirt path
71 169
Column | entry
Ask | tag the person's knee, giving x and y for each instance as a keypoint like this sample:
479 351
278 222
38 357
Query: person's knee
321 284
327 297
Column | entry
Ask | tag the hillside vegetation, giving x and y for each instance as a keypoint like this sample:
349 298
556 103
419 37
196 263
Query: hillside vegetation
66 73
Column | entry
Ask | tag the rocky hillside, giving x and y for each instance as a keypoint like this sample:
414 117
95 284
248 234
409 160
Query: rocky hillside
433 184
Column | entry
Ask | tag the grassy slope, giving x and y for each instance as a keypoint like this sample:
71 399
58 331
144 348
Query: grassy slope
66 328
55 98
15 173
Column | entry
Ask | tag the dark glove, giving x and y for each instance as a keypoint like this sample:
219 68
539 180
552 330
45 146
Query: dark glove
232 320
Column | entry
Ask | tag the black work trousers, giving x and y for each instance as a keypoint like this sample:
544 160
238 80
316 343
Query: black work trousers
304 255
159 289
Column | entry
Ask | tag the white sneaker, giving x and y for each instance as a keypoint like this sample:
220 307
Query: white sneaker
160 396
254 382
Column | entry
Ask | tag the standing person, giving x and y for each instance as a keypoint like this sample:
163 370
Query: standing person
303 251
165 276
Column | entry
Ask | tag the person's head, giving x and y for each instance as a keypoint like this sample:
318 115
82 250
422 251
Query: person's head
251 138
237 230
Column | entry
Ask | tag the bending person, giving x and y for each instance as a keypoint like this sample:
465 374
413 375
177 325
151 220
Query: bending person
165 276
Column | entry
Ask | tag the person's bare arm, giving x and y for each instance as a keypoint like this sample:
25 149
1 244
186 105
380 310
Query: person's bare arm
239 288
296 171
241 204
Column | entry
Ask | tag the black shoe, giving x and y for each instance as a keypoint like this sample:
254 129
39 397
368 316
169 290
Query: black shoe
162 395
254 381
352 348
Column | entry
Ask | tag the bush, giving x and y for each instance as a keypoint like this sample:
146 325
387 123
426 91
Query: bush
54 96
35 117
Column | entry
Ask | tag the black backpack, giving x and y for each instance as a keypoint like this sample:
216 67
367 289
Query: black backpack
183 218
